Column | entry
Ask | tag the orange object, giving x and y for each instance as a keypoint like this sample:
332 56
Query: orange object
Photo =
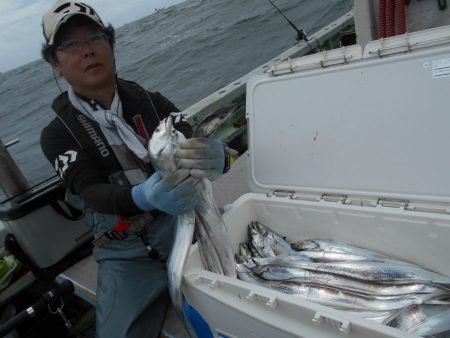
121 225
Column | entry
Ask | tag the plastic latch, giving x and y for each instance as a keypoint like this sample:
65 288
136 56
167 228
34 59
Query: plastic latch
334 198
258 298
281 193
211 283
393 203
343 325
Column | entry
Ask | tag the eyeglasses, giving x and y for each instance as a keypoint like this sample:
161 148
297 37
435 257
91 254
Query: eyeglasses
76 45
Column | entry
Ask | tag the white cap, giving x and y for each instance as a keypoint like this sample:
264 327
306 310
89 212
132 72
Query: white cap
60 12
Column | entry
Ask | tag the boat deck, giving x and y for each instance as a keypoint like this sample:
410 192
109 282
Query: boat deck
83 274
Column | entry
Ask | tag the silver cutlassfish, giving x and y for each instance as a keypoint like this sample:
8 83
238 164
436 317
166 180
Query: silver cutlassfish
211 231
216 251
162 147
361 282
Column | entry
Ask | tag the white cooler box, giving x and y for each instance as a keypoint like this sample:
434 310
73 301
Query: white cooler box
359 152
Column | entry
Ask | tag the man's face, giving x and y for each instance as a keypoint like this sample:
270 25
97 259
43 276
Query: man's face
85 59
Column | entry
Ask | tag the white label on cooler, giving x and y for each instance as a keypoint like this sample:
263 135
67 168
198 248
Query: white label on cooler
441 68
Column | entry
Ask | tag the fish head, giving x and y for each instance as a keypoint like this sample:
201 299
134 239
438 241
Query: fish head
208 126
163 144
258 242
240 262
255 238
306 244
244 250
262 229
239 259
161 138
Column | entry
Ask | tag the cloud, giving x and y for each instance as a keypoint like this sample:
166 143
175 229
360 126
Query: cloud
13 12
20 32
9 5
20 21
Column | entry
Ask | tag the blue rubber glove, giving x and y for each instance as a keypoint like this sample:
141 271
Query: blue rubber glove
174 194
204 156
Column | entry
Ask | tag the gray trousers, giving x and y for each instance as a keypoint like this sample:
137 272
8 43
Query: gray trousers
132 288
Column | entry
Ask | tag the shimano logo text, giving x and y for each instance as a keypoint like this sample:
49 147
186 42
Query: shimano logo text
93 135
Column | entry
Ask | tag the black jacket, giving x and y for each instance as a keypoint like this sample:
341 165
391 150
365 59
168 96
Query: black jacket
76 147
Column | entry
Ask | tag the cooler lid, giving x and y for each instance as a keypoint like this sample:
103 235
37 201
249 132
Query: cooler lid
376 127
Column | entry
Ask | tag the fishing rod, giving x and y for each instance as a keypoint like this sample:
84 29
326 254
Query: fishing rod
51 301
301 35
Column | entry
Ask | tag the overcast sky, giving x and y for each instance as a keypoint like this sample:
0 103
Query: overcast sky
21 32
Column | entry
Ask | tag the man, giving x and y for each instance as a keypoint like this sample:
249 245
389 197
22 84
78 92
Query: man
97 145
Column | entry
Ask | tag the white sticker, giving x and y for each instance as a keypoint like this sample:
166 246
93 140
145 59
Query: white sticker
441 68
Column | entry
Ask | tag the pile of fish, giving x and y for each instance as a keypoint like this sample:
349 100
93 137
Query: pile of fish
348 278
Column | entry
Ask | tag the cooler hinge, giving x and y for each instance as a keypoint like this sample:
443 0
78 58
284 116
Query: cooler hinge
349 200
334 57
326 197
362 201
281 193
293 195
391 47
433 208
414 206
393 203
334 198
407 42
